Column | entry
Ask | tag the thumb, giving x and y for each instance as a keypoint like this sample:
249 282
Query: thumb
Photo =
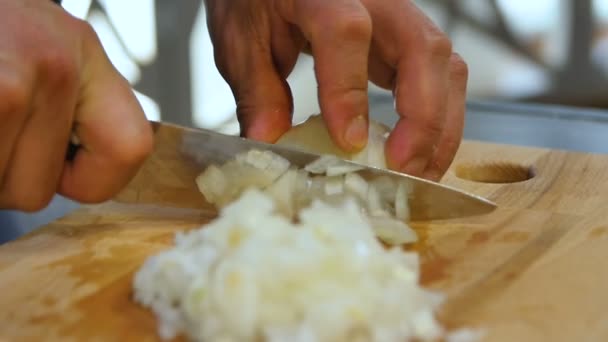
114 134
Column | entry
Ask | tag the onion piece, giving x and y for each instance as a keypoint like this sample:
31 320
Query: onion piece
282 192
263 160
222 184
374 203
386 188
319 166
301 194
331 166
402 209
212 184
317 187
334 185
256 168
313 136
356 185
342 169
392 231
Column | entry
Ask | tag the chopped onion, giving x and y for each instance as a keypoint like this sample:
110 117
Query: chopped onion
356 185
282 192
334 185
252 275
212 184
222 184
264 160
328 178
374 202
301 193
392 231
317 187
402 209
331 166
386 188
292 189
465 335
320 165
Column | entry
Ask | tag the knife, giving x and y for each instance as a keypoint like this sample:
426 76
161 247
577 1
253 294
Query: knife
181 153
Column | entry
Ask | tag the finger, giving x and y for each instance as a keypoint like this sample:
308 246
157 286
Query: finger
246 61
421 91
114 133
339 33
380 72
15 92
264 100
38 156
287 42
454 125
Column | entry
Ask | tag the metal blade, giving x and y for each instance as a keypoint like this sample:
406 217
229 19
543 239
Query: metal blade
427 200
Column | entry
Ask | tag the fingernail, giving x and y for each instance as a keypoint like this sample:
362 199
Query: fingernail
433 175
356 132
433 172
414 167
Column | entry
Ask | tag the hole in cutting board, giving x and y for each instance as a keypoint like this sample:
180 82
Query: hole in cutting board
498 172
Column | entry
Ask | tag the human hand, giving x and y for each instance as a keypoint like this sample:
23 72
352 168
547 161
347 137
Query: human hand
55 76
390 42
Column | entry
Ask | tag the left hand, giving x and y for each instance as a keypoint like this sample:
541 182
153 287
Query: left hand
390 42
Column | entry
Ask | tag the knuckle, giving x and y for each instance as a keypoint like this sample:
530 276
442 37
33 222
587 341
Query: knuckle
459 68
451 145
87 34
437 44
433 126
135 151
59 67
353 26
86 30
14 93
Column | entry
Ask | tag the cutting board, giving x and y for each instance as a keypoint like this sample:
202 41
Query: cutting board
536 269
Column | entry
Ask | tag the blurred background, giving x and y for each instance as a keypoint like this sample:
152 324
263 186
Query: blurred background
542 51
538 71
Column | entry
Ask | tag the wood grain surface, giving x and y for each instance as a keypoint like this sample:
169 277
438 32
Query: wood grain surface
536 269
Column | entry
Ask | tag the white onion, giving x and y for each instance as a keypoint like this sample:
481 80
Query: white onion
402 209
312 136
212 184
222 184
356 185
293 189
252 275
392 231
334 185
283 191
328 178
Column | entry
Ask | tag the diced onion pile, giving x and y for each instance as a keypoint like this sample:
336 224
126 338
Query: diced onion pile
328 178
254 275
294 254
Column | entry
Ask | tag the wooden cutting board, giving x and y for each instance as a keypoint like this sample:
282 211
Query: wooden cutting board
534 270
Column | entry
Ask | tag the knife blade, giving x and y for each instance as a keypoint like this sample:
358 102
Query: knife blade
427 200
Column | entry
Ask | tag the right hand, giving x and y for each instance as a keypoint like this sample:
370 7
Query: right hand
55 77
